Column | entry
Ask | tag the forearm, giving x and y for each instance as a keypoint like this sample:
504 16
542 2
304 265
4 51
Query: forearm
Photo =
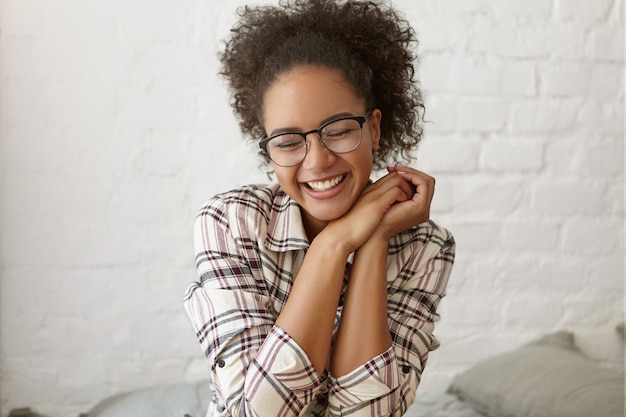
363 332
309 313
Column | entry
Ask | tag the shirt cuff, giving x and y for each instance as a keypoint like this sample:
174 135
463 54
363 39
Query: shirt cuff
374 379
283 359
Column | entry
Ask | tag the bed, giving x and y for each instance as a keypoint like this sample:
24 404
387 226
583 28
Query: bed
549 377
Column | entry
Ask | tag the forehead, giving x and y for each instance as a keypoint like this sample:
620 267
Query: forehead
307 95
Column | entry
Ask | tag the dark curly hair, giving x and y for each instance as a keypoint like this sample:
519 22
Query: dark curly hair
368 41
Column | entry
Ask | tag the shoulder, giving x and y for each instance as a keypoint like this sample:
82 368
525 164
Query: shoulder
435 234
423 257
249 200
426 237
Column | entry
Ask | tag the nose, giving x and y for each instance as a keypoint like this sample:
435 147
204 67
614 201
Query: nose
317 156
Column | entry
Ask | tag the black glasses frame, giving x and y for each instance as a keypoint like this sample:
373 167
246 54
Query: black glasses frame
360 119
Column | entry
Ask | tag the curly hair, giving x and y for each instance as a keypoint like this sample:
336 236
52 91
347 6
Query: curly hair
368 41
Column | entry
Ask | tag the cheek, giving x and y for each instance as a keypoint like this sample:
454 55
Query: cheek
366 155
285 176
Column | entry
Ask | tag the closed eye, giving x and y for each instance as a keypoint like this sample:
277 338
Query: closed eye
340 134
289 145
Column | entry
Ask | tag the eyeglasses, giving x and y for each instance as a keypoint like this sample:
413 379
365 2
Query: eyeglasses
339 136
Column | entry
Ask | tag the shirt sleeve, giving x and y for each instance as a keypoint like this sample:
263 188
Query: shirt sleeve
255 365
419 264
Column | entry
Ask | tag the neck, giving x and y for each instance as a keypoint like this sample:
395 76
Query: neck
312 226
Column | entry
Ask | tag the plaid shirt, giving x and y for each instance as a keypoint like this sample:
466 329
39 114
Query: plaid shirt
250 244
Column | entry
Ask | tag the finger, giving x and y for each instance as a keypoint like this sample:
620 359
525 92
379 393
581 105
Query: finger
411 174
392 180
407 187
400 168
417 178
424 184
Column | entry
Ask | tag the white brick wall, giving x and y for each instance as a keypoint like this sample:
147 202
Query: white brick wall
115 128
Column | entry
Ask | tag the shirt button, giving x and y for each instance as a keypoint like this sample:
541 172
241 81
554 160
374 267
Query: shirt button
406 369
221 363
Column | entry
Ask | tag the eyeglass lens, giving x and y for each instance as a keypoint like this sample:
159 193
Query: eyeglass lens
340 136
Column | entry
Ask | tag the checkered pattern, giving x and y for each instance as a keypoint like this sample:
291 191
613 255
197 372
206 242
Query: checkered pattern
250 244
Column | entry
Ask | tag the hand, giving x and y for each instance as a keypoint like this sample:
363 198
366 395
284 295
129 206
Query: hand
412 211
364 218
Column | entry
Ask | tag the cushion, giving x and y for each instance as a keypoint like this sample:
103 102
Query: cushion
160 401
546 378
620 330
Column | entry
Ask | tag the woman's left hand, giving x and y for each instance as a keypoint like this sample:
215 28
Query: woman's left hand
415 210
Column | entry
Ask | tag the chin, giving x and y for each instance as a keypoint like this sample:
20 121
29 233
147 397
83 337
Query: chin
327 214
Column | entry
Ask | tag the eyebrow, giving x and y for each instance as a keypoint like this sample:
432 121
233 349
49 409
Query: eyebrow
297 130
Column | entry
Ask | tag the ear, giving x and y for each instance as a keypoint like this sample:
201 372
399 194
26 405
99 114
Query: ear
376 117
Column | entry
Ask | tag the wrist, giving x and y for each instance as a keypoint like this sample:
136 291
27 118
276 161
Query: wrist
377 243
331 239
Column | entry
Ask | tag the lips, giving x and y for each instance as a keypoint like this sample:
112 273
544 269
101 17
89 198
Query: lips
326 185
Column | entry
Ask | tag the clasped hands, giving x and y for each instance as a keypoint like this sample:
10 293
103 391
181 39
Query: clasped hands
397 201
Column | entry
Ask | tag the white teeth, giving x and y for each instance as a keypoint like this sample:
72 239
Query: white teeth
325 185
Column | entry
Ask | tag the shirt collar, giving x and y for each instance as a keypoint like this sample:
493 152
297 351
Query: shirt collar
285 230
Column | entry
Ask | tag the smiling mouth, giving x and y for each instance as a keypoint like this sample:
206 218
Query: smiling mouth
326 185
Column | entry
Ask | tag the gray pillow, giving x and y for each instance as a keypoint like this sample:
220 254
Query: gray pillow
546 378
161 401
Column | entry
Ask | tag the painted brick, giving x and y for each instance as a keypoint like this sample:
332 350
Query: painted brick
534 11
529 273
475 77
512 155
440 116
23 60
608 43
582 309
570 80
562 150
81 24
563 41
530 236
543 116
473 346
528 42
26 18
608 273
603 160
489 198
607 119
168 21
479 304
435 157
437 34
607 82
544 310
476 236
435 72
568 198
519 78
504 40
598 10
444 6
592 237
480 115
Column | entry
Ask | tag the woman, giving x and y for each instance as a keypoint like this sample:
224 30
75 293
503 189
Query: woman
318 294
